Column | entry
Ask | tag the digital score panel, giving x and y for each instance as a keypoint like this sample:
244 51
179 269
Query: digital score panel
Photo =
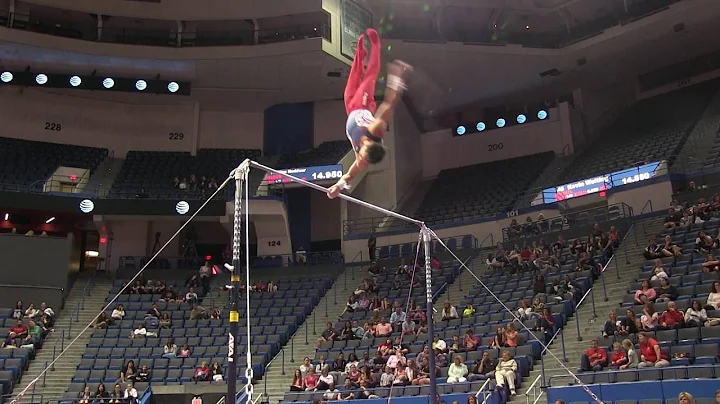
331 172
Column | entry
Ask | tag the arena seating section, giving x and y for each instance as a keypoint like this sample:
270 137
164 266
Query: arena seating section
491 315
653 129
274 317
480 190
25 162
700 345
13 362
154 170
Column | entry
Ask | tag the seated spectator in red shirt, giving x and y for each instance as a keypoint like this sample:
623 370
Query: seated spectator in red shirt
594 358
672 318
19 329
619 356
471 341
651 355
202 374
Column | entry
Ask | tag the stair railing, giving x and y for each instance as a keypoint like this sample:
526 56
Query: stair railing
485 391
547 347
60 341
590 293
642 211
533 389
45 366
281 353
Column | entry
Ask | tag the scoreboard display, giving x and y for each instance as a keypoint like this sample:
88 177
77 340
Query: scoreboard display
331 172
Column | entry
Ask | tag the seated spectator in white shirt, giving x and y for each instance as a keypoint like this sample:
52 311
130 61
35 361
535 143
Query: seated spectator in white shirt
397 318
130 393
191 296
139 331
118 313
449 312
301 256
31 311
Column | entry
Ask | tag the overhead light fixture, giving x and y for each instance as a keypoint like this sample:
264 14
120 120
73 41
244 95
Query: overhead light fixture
6 77
521 119
50 220
141 85
460 130
500 122
41 79
7 216
173 87
542 114
480 126
92 254
75 81
108 83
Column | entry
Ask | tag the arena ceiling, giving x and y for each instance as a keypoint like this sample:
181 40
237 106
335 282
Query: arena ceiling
450 75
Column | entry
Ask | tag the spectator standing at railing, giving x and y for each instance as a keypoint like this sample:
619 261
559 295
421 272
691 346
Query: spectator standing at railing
301 256
205 274
372 244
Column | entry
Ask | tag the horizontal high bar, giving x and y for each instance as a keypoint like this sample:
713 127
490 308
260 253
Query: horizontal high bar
341 196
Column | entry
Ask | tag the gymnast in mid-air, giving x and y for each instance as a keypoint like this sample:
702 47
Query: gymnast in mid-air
366 123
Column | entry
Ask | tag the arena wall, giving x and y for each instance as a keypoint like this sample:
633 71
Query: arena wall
329 121
230 130
441 150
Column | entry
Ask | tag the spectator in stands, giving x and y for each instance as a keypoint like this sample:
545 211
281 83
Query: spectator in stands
439 344
19 329
471 342
713 300
305 367
101 393
458 370
539 286
525 311
116 395
298 383
383 329
153 311
198 313
175 184
46 322
670 249
325 380
184 351
183 185
576 247
696 315
704 242
128 372
511 336
672 220
143 374
165 321
650 319
653 250
35 334
557 293
31 311
469 310
311 380
645 294
594 358
651 355
505 372
499 341
102 321
631 354
546 324
658 271
202 373
339 363
372 244
570 289
483 369
666 292
711 264
216 372
612 325
449 312
619 356
85 396
671 318
139 332
440 359
346 333
18 312
118 313
685 398
170 349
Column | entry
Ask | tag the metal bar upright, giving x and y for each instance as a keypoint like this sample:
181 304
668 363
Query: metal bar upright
425 236
234 295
